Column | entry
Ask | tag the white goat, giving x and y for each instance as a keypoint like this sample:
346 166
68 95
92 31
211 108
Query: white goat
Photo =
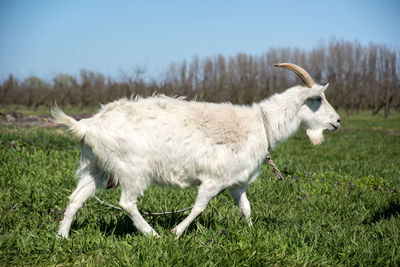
169 141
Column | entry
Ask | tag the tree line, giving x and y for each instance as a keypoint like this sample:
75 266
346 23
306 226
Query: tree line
360 77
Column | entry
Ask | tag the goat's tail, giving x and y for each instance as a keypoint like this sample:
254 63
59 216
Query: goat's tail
77 128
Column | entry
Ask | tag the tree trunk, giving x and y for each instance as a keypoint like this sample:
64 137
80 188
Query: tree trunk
377 109
387 106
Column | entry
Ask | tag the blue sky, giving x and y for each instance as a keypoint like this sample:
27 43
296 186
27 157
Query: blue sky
48 37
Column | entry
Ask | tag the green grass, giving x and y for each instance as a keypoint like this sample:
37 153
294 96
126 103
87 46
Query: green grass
339 205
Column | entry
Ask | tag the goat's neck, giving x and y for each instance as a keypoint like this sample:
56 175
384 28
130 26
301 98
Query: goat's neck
281 116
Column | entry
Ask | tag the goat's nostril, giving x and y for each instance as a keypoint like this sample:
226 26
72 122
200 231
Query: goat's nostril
338 120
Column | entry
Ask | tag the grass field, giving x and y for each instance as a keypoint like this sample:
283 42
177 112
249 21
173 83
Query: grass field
339 205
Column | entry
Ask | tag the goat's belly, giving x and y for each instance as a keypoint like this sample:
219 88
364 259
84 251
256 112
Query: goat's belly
177 178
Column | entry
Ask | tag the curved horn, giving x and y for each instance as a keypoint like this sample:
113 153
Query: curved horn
302 73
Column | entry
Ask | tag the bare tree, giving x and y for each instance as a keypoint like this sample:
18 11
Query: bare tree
364 77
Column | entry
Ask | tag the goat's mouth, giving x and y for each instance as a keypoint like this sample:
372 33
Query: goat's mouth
334 127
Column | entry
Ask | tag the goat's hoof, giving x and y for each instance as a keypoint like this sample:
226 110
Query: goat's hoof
175 232
60 236
152 233
156 235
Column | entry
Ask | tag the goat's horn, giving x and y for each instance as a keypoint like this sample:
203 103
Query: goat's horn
302 73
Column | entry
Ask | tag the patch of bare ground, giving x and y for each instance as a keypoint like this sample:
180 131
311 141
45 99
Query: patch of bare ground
19 119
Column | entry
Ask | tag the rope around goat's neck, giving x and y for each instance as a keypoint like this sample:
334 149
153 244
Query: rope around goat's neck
265 122
268 159
277 172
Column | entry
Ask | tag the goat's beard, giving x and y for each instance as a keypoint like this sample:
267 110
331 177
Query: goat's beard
315 135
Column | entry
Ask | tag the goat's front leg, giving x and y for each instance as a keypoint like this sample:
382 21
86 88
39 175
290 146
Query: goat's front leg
205 194
239 195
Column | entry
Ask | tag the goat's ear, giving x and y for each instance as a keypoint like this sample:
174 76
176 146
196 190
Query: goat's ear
316 90
324 87
321 89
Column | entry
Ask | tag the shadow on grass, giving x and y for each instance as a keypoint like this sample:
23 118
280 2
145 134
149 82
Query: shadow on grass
120 227
123 225
393 209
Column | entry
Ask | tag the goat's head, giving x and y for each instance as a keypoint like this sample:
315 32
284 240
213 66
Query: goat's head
316 114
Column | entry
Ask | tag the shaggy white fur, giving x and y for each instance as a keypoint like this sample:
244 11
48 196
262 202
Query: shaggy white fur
170 141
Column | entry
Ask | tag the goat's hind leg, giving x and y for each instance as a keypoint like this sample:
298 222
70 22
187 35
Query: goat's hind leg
87 185
128 203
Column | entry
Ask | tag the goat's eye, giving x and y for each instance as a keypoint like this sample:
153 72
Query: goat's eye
319 99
